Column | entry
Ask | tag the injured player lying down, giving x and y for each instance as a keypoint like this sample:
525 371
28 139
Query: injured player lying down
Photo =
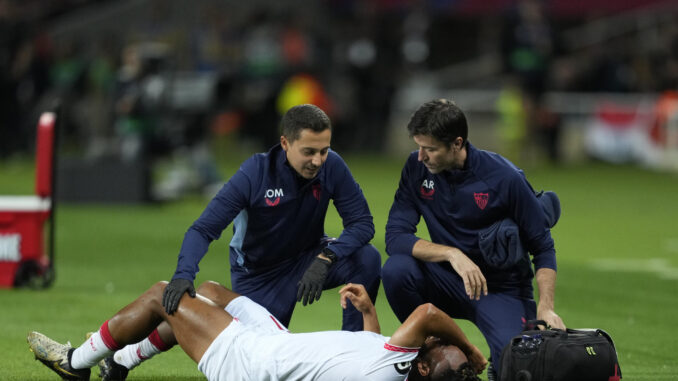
233 338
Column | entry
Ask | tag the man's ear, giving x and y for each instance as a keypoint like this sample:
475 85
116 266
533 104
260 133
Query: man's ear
458 143
423 368
284 143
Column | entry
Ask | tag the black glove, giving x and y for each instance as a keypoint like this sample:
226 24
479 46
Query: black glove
311 284
173 293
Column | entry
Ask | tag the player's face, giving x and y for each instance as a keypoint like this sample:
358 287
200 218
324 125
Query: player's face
438 156
308 153
444 356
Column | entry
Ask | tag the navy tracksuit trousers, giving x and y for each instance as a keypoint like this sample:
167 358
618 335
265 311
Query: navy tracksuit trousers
276 288
409 283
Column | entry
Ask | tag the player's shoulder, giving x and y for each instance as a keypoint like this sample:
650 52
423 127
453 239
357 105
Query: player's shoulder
391 362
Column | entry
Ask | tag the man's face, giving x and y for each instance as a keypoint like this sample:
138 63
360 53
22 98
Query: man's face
308 153
438 156
443 356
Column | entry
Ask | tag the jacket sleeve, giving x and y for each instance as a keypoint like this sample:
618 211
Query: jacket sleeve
403 218
528 213
221 210
355 214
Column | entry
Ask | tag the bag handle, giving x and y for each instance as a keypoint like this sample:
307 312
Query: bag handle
533 324
598 331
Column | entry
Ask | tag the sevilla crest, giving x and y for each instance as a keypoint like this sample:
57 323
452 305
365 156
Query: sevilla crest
481 199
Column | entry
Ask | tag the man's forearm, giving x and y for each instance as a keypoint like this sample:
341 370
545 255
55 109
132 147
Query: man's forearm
431 252
546 282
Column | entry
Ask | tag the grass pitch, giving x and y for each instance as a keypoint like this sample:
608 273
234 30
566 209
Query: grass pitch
617 246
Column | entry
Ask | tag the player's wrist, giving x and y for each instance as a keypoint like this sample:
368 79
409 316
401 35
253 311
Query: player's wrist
369 310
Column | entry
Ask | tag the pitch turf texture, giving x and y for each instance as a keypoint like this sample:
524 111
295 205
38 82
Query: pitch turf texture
617 245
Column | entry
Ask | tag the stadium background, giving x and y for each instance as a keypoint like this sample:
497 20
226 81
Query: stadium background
175 96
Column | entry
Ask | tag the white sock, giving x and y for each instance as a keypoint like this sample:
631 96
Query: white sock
134 354
90 352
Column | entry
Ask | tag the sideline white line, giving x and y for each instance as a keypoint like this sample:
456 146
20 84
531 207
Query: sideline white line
657 266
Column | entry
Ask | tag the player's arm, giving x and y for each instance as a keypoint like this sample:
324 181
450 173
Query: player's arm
358 296
427 320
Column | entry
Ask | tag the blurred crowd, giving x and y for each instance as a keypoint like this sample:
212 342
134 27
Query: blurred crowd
146 78
167 81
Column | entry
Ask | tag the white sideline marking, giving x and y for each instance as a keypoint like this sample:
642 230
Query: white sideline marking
658 266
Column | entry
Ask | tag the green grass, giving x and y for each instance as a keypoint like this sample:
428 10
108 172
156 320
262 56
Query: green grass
615 221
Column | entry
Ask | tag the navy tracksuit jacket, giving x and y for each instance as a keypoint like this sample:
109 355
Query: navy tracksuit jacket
456 206
278 229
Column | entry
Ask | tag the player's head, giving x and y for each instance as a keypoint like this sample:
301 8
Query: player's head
306 135
439 128
438 361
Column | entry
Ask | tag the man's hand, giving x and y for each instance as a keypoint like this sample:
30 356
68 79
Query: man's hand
311 284
173 293
550 317
474 280
357 294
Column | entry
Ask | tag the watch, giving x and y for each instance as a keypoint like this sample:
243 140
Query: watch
330 254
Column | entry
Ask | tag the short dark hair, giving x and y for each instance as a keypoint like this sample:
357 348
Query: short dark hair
441 119
306 116
465 372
